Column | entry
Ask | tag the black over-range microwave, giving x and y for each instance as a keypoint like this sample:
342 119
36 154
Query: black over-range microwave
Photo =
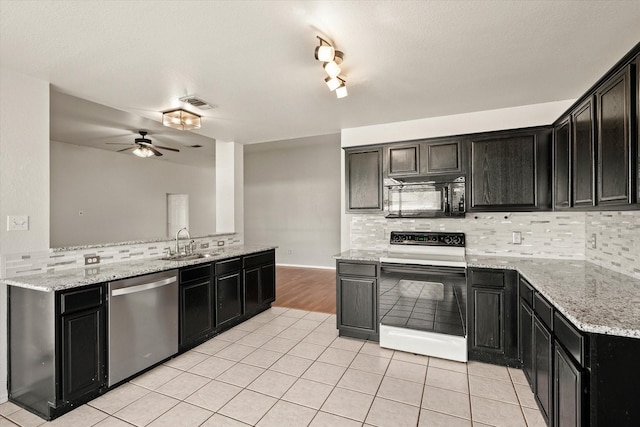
424 199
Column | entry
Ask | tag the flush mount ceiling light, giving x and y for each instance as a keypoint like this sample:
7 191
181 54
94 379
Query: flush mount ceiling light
181 119
331 59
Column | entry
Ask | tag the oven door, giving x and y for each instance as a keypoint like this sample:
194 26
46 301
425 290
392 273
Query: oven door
423 298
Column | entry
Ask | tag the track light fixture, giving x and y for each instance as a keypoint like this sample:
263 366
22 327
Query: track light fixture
331 59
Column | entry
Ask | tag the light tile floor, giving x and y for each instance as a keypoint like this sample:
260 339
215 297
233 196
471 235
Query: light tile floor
288 367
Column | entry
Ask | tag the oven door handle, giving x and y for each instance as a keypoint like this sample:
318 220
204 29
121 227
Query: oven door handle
419 269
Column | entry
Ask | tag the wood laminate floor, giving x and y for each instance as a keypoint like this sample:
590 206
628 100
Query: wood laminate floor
311 289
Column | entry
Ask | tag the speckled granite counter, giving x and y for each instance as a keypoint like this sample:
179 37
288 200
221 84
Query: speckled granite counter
595 299
67 279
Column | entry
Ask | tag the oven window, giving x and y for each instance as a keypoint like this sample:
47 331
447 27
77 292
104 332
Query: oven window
434 303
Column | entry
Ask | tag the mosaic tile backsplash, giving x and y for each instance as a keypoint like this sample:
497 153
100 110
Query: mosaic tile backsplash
617 240
544 234
24 264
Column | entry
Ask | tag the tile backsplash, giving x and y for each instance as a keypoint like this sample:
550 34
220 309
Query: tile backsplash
617 240
544 234
24 264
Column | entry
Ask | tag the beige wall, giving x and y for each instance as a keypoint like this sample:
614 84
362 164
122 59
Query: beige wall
292 199
24 176
122 197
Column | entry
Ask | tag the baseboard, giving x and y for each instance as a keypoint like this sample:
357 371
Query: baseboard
4 396
306 266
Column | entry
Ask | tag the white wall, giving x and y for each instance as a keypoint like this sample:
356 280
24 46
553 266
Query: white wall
458 124
292 199
122 197
229 187
24 176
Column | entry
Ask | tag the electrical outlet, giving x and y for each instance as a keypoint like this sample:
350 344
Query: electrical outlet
220 242
517 238
204 245
91 271
17 223
593 241
91 259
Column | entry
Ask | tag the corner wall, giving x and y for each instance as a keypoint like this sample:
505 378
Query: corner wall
292 199
24 176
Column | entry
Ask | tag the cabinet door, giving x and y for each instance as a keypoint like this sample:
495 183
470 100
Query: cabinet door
504 173
82 352
583 165
228 298
196 311
252 290
561 164
525 340
613 103
487 317
568 396
637 92
403 160
543 346
357 303
364 180
443 157
267 284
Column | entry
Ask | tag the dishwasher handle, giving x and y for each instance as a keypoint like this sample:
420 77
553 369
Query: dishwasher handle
143 287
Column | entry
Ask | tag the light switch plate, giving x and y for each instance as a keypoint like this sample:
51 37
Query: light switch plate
18 223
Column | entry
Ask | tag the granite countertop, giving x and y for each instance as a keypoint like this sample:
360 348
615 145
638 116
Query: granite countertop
76 277
595 299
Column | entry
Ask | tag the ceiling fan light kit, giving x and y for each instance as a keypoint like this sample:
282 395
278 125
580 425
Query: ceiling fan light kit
181 119
143 152
331 60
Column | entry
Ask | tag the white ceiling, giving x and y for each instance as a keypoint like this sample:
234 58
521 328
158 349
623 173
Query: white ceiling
254 59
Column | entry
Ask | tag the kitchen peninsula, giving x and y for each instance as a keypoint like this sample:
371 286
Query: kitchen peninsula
64 326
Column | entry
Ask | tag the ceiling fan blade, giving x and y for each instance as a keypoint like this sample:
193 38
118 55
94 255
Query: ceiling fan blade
117 143
125 149
154 151
167 148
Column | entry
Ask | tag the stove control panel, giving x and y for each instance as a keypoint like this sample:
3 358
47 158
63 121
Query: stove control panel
427 238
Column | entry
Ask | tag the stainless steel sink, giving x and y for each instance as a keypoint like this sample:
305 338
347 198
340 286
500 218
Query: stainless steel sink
187 257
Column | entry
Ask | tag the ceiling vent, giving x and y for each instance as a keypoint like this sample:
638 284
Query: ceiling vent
196 102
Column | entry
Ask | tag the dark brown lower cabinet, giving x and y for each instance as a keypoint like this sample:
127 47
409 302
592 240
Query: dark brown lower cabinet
83 353
196 310
543 348
228 291
525 341
259 281
568 393
492 316
357 300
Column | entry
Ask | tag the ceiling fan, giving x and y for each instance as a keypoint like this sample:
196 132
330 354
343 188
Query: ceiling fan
144 146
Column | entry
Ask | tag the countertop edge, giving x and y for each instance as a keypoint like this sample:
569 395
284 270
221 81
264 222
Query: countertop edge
153 265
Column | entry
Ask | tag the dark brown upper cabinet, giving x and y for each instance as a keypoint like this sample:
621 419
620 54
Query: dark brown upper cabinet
434 157
636 64
403 160
562 164
613 104
583 154
510 171
363 180
443 157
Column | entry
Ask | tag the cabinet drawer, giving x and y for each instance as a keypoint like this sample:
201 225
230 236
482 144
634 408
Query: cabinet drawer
352 269
195 273
259 259
526 291
543 309
490 278
228 266
570 337
80 299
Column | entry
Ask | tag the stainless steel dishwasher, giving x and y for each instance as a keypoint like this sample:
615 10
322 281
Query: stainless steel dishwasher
143 323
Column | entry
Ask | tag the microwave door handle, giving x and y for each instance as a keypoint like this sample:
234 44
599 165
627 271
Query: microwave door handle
445 199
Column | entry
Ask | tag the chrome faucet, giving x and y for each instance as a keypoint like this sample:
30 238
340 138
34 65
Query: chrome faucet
178 241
